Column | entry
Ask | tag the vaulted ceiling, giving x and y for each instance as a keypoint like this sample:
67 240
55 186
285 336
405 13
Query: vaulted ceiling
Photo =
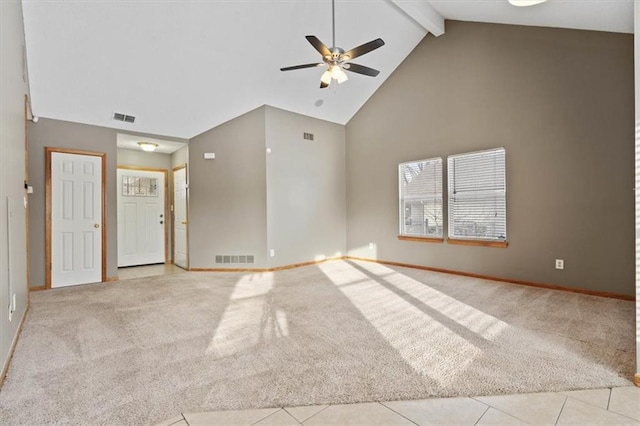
183 67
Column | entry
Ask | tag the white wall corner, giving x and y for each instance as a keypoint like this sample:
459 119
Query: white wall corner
424 14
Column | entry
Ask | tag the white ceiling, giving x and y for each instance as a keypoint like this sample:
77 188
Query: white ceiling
131 142
183 67
599 15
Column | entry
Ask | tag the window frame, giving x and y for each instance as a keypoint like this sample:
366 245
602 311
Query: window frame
474 240
402 234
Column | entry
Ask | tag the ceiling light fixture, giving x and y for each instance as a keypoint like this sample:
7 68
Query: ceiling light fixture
148 146
337 73
326 77
522 3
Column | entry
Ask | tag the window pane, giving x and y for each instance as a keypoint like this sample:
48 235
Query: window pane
477 195
133 186
421 198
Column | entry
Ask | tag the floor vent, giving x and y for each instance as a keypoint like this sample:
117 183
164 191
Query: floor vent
308 136
243 259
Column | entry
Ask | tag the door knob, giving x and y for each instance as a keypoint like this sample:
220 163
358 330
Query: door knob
96 225
184 222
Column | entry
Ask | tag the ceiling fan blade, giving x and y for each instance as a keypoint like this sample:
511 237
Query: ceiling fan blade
361 69
364 48
318 45
299 67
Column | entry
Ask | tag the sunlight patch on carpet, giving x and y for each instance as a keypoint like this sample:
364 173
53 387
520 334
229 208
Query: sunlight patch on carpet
250 318
392 302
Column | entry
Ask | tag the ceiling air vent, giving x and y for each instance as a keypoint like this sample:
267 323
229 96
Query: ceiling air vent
123 117
308 136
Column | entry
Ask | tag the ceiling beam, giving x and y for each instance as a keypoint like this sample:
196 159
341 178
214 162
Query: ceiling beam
424 14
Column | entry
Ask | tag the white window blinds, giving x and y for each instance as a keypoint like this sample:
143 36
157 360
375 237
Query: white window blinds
477 195
421 198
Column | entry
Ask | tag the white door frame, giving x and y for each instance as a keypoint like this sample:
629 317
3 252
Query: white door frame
173 212
103 156
167 259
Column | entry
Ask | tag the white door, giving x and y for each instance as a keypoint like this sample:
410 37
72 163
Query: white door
180 257
76 219
141 217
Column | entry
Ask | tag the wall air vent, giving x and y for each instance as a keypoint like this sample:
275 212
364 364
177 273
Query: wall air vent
118 116
308 136
244 259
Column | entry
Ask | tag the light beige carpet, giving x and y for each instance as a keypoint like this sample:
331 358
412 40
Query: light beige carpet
143 350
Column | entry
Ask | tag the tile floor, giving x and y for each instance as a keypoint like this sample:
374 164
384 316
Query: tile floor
617 406
148 271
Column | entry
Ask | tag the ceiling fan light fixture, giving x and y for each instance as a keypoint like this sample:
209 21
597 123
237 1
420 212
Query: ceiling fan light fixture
326 77
342 77
148 146
336 58
523 3
335 72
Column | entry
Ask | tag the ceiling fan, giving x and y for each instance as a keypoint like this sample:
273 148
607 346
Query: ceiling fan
337 59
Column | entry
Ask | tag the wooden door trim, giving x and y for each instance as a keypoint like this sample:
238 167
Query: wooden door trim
173 226
167 260
47 184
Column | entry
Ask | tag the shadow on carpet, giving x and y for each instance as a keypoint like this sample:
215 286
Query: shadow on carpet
143 350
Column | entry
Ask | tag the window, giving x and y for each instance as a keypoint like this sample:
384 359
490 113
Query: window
421 198
134 186
477 196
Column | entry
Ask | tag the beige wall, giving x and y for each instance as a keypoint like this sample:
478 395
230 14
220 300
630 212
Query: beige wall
559 101
306 202
62 134
13 259
248 201
227 196
180 157
139 158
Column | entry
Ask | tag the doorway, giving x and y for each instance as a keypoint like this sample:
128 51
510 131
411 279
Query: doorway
180 215
75 228
142 216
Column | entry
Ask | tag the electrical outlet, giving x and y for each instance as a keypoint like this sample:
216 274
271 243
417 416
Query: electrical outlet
272 252
559 264
372 245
